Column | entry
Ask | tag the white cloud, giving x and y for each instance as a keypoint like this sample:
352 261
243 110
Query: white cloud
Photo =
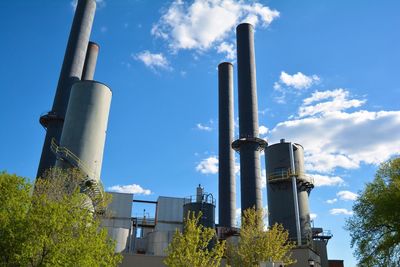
324 180
341 212
297 81
203 127
131 189
263 130
331 201
153 61
203 24
335 138
313 216
238 217
339 101
263 178
208 165
237 168
227 48
347 195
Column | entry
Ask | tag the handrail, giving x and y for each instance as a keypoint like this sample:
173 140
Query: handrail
91 185
71 158
287 175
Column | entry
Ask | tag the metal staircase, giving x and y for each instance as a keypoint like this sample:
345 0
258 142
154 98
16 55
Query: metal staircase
90 185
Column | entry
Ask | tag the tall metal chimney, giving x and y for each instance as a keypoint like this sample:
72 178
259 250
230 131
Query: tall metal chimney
90 61
248 144
71 71
226 182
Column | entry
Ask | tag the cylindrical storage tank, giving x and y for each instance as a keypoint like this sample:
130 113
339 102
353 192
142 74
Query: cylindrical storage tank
121 238
207 210
280 191
85 125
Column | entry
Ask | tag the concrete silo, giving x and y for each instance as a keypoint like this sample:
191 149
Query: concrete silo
288 189
84 132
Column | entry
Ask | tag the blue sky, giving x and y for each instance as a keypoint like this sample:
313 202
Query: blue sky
326 72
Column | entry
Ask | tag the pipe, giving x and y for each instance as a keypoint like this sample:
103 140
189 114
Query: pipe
90 61
250 171
71 71
295 199
226 168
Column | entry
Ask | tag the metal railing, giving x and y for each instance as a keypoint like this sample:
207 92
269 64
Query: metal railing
143 222
91 185
66 154
206 198
285 175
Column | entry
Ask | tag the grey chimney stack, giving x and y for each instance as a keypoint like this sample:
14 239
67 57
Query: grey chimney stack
226 182
248 144
71 71
90 61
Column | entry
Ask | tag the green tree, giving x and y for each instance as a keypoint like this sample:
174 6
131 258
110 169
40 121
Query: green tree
14 205
191 248
257 244
52 226
375 226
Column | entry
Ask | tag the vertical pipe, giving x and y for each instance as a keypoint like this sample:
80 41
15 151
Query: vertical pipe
226 172
295 199
90 61
250 172
71 71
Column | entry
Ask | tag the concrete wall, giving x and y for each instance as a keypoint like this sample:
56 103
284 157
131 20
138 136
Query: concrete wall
303 255
130 260
320 248
170 210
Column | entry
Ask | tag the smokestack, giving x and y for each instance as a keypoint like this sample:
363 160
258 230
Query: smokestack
226 182
90 61
71 71
248 144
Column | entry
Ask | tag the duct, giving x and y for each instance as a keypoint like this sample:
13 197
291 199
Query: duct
248 144
90 61
294 189
71 71
226 166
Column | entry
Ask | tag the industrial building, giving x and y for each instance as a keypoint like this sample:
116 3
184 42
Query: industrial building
76 132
